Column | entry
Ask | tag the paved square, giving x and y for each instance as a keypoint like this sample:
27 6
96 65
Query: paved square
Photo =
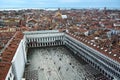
58 63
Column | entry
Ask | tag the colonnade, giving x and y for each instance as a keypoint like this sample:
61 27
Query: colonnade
94 58
45 41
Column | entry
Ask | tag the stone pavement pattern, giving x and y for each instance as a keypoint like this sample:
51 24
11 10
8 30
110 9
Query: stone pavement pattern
58 63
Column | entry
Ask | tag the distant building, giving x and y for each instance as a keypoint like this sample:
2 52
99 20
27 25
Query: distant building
31 23
2 24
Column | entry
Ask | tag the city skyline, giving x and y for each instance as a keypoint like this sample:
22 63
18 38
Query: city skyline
19 4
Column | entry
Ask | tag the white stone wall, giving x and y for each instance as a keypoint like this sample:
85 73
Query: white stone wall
19 60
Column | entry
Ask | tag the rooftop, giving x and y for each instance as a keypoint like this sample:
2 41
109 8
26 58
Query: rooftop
4 39
103 46
8 54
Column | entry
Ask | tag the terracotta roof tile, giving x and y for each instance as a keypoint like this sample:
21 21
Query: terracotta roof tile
115 54
8 55
4 68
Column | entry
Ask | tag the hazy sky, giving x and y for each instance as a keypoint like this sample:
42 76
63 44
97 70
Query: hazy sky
59 3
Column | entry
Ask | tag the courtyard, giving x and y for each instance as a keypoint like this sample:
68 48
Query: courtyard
58 63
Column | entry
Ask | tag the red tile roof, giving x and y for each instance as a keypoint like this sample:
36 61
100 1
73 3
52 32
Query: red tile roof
115 55
5 37
8 55
4 68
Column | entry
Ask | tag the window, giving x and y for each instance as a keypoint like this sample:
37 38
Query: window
8 78
10 75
